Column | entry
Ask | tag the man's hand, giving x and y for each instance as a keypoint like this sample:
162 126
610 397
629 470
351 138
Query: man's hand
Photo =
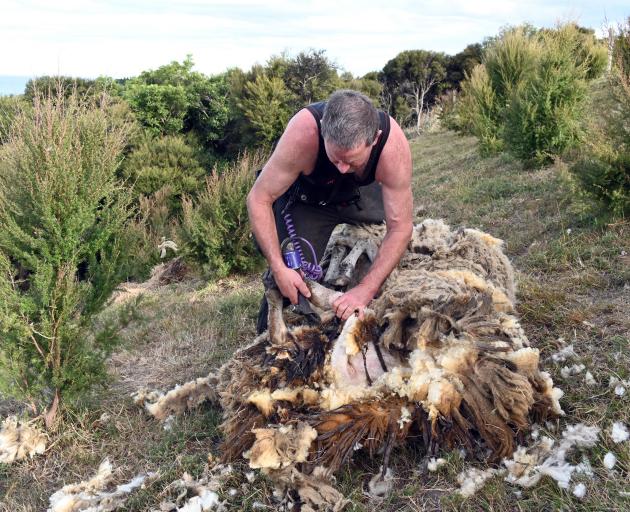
290 283
352 302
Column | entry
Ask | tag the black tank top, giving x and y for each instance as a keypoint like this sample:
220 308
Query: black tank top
326 185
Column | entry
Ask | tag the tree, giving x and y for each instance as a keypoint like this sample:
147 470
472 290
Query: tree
311 77
175 99
416 75
63 225
462 64
266 105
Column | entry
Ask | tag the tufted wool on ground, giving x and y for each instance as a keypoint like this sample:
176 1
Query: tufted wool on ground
439 359
98 494
19 440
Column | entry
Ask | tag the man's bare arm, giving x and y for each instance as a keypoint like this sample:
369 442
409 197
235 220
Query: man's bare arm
296 151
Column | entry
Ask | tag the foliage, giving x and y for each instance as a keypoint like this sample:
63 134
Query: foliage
262 100
10 106
168 161
215 226
479 111
621 50
416 77
529 97
266 105
174 99
603 169
543 116
63 221
462 64
310 76
160 108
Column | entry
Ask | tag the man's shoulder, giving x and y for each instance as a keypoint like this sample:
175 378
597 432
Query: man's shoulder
396 155
303 127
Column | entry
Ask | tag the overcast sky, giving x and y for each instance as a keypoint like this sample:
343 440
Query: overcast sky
121 38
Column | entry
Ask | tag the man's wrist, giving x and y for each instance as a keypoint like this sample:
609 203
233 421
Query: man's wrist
277 265
368 288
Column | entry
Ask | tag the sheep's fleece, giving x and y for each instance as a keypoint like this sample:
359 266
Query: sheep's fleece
439 358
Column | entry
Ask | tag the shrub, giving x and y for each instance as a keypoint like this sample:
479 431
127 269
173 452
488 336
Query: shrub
215 227
169 161
10 106
603 170
160 108
509 60
480 111
266 105
544 116
63 222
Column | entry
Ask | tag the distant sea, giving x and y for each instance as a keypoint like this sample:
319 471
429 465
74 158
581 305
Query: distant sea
12 84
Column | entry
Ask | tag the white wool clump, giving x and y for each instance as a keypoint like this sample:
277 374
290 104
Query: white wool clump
434 464
564 354
546 458
380 485
567 371
179 399
589 380
405 417
619 432
205 502
166 244
93 495
205 489
579 491
19 440
579 435
584 467
473 479
168 423
618 385
610 460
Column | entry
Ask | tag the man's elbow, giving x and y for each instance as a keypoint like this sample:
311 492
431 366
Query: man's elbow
403 231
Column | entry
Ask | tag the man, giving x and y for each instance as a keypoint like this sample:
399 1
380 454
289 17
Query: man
339 161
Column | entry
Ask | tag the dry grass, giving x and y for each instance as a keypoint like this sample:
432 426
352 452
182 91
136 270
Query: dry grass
572 284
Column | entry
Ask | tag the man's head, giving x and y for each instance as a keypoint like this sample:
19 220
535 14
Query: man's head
350 127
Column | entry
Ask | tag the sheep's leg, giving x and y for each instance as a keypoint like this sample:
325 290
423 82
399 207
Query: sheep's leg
348 265
338 252
278 332
321 296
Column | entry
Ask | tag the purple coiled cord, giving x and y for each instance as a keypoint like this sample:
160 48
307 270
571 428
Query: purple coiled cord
311 271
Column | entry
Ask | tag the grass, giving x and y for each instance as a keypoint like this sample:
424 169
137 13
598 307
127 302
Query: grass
573 277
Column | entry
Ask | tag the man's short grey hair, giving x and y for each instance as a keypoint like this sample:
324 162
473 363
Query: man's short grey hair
350 119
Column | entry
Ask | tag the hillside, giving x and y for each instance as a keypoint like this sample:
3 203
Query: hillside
574 285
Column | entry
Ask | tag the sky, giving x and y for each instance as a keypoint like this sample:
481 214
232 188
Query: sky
121 38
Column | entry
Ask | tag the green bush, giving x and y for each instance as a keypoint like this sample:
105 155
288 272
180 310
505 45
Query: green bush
480 110
63 245
529 96
10 106
603 169
266 105
215 228
544 116
160 108
509 60
170 161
